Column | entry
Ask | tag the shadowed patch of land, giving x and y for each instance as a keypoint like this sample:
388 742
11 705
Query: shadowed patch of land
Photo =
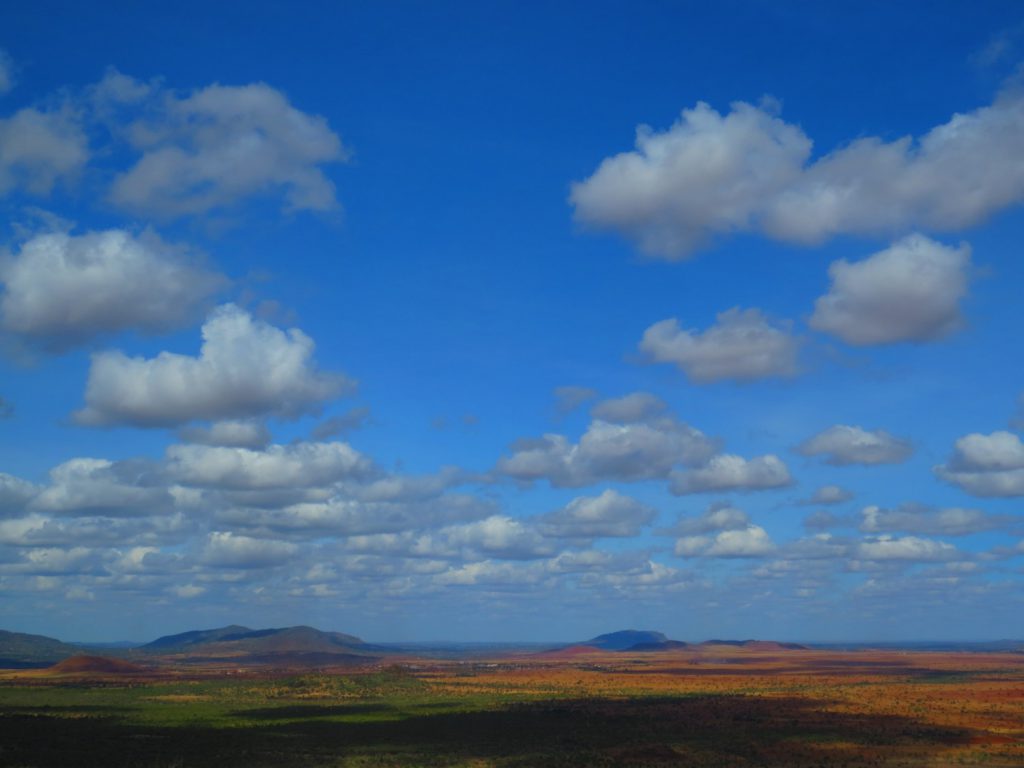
703 730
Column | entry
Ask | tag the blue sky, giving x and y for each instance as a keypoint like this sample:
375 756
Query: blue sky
496 321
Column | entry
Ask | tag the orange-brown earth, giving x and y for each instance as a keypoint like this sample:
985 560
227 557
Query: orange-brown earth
90 666
972 704
702 705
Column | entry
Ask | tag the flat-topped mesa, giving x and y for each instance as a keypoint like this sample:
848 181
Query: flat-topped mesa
635 640
236 638
626 639
758 645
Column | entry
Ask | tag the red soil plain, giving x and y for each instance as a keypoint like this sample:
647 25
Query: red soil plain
960 708
760 705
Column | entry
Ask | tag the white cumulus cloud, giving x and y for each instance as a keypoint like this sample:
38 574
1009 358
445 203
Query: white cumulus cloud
845 445
742 346
238 433
634 407
711 175
610 514
728 472
608 451
60 290
707 175
221 144
750 541
717 517
15 492
224 549
917 518
986 465
909 292
245 369
299 465
829 494
910 548
87 486
40 148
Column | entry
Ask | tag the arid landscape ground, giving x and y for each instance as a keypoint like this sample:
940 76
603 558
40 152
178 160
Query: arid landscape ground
704 705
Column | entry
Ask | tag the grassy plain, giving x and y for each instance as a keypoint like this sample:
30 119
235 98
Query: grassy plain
716 706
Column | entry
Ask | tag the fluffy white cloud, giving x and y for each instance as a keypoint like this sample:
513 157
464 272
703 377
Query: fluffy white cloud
995 452
909 548
909 292
743 345
707 175
345 516
41 530
61 290
223 549
711 175
727 472
634 407
488 572
829 494
845 445
244 433
14 492
916 518
299 465
245 369
750 541
497 536
39 148
608 451
717 517
101 487
644 577
952 177
610 514
986 465
396 487
56 561
221 144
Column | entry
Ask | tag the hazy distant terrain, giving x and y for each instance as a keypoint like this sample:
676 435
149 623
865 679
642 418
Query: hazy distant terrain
301 697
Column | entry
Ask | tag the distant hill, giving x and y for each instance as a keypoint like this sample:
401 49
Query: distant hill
668 645
626 639
195 637
22 651
235 641
760 645
650 641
